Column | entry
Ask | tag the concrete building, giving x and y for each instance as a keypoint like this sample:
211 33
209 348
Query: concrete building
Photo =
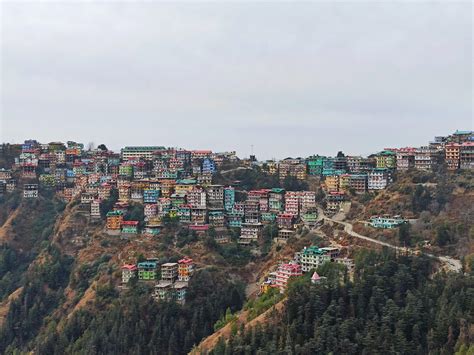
312 257
250 232
386 222
378 179
147 270
128 271
185 269
169 272
284 273
30 190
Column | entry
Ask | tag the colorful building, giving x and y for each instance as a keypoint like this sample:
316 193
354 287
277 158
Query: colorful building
284 273
147 270
128 271
114 220
130 227
185 269
386 222
312 257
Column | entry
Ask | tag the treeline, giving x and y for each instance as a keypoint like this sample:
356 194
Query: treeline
133 323
42 292
392 306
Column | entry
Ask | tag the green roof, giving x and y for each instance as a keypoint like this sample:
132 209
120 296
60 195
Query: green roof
114 213
186 181
313 250
458 132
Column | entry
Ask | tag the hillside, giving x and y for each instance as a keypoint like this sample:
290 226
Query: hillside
60 272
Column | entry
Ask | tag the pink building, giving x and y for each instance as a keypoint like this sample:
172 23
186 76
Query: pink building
284 272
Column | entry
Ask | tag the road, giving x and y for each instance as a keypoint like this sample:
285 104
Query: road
235 169
450 263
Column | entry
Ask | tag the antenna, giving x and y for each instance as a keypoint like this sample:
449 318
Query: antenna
251 149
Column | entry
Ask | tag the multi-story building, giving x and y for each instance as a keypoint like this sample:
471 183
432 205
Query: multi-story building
307 200
147 270
128 271
208 166
331 183
95 208
198 215
292 167
229 198
292 203
285 220
378 179
285 234
215 196
276 200
130 153
312 257
114 220
125 192
405 158
334 201
386 159
216 218
315 165
358 164
185 269
358 182
233 219
130 227
284 273
30 190
5 174
250 232
196 197
425 158
252 211
169 272
452 155
466 155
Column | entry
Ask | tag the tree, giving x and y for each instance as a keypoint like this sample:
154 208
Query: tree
404 234
442 235
102 147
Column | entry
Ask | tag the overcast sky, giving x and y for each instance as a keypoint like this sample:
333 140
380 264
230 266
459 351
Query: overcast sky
291 79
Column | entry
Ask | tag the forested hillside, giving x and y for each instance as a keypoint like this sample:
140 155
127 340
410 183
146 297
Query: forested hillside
391 306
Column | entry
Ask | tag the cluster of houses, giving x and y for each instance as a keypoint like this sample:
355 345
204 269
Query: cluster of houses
308 259
170 279
177 184
457 150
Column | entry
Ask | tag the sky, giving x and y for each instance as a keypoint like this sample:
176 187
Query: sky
288 78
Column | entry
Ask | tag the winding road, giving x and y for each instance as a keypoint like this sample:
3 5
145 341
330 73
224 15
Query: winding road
450 263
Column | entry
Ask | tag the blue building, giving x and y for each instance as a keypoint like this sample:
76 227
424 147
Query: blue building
229 198
208 166
151 195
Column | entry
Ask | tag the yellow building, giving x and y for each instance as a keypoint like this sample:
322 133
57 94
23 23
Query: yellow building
332 183
114 220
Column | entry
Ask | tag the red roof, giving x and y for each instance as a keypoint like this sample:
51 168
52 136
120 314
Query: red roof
130 223
130 267
185 261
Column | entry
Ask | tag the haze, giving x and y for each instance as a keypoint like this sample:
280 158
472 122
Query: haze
291 79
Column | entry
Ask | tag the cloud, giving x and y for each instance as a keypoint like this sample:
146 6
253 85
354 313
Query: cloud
289 78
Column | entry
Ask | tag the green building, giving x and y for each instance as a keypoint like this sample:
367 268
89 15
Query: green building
147 270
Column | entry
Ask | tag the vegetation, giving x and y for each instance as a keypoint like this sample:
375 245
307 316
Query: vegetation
262 303
391 306
134 324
